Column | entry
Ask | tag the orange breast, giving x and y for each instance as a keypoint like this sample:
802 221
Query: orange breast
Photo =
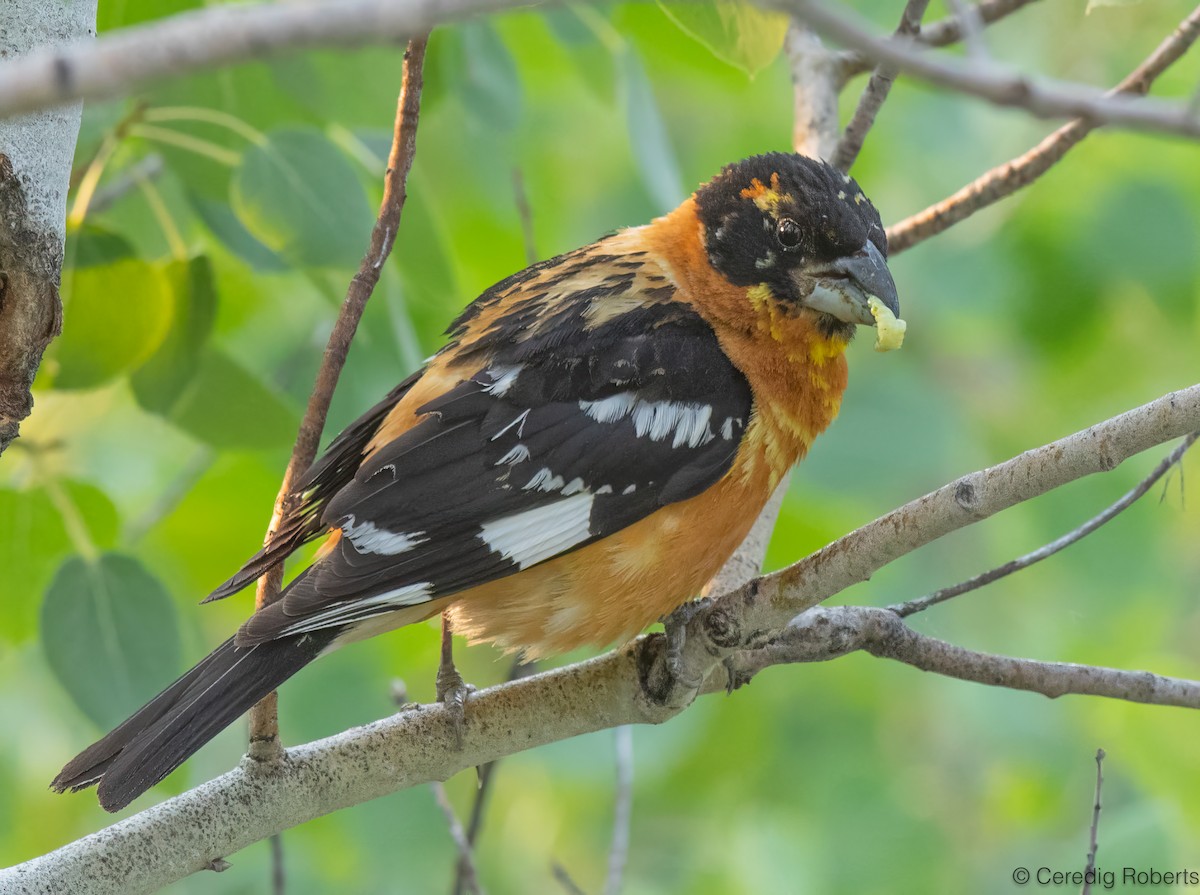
612 589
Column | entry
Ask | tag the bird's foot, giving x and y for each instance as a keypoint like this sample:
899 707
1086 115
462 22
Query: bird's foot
675 627
452 690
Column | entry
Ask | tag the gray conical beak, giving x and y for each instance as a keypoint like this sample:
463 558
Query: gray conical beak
843 286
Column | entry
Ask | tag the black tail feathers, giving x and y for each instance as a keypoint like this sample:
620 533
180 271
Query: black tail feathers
166 731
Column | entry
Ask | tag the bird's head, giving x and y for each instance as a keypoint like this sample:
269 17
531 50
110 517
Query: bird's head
802 230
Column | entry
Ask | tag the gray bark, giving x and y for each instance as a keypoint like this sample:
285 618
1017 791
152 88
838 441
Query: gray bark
35 169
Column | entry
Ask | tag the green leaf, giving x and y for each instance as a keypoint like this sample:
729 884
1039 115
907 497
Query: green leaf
34 540
110 635
299 196
227 407
225 226
116 316
742 35
591 44
651 146
94 246
161 379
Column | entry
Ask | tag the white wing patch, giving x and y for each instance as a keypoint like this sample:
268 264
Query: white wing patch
356 610
367 538
518 453
503 377
529 537
656 420
610 409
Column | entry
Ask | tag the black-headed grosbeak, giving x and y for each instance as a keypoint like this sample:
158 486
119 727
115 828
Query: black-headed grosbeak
594 441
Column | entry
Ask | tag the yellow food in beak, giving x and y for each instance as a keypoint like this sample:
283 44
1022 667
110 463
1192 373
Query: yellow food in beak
889 329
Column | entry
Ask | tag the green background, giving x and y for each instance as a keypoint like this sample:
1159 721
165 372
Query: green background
195 318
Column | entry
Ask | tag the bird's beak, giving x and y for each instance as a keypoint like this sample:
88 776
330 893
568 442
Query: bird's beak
841 288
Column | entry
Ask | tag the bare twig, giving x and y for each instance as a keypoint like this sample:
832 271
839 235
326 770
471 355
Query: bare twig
971 26
525 213
487 776
126 60
1004 180
826 632
876 92
940 33
278 868
149 167
466 859
618 853
920 604
563 878
998 85
1089 870
264 722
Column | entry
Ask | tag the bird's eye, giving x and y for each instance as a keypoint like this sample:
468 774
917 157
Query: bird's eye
788 234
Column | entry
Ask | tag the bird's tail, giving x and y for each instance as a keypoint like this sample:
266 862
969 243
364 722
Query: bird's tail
167 730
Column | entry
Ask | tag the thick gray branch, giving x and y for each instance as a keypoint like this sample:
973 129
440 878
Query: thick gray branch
124 61
35 168
627 686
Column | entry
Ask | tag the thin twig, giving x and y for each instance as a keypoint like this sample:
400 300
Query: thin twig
1004 180
618 852
940 33
525 213
564 879
264 721
147 168
911 607
1089 870
971 27
486 778
278 870
827 632
876 92
466 858
998 85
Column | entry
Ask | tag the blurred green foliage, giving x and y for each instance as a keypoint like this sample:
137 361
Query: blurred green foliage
197 305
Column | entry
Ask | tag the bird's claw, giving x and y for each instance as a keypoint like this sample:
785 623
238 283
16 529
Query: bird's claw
675 628
452 692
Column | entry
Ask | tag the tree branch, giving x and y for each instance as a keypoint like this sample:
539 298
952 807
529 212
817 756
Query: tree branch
626 686
876 92
1004 180
824 633
920 604
130 59
998 85
944 32
264 720
815 87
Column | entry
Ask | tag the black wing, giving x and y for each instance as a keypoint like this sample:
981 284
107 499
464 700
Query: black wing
558 440
331 472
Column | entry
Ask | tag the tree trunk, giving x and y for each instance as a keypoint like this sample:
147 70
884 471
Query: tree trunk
35 169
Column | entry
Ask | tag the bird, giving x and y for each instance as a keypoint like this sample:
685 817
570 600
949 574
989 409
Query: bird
592 443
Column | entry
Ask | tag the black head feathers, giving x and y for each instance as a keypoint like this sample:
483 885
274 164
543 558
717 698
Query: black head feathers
770 214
